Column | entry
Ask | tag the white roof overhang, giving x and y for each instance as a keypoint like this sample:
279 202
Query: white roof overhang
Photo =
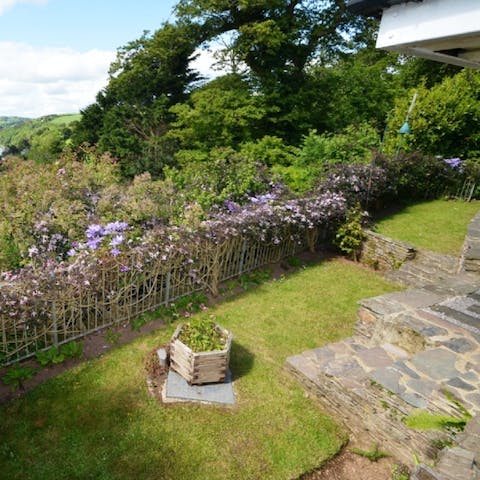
444 30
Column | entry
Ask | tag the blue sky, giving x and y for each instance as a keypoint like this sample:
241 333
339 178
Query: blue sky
55 54
80 24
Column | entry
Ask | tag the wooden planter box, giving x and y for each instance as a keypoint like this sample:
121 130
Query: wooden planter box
198 368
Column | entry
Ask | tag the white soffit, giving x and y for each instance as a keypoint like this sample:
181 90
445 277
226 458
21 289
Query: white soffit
443 30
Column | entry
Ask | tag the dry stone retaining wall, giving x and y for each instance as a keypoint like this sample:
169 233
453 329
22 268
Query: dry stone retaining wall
385 253
470 259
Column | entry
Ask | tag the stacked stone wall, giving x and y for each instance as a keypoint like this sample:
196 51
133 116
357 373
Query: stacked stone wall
385 253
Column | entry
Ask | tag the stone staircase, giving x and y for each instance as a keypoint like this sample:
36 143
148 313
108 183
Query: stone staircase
408 350
424 269
414 349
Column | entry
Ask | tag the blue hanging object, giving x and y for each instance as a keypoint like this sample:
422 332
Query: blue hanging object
405 129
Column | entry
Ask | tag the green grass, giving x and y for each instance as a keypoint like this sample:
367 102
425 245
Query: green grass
423 420
438 225
98 420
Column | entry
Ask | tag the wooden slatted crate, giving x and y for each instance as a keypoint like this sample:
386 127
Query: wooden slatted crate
198 368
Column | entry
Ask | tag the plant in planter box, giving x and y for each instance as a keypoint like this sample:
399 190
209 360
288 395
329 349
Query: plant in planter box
200 351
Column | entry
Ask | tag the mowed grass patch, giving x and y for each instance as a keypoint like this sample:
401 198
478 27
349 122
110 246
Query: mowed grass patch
98 420
438 225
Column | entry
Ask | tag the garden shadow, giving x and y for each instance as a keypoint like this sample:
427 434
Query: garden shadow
241 360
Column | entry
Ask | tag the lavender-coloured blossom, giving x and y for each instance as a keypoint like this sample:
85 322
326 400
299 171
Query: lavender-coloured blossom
94 231
117 240
94 243
115 227
231 206
72 252
115 252
124 268
453 162
32 251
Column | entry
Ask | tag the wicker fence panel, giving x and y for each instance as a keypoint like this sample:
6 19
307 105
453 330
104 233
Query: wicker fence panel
124 294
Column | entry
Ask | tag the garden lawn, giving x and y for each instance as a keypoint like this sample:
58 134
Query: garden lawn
438 225
98 420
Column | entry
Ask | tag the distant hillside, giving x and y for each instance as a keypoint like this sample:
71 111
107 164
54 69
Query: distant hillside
41 138
11 121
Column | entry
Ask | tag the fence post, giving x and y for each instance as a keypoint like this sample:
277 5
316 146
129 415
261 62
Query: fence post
55 324
167 287
242 257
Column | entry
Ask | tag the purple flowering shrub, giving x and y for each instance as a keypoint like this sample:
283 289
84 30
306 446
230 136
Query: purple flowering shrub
356 183
46 207
413 176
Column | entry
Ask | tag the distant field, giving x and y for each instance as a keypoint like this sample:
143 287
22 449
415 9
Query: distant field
66 119
21 133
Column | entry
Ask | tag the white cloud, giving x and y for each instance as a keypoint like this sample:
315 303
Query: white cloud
42 81
7 4
37 81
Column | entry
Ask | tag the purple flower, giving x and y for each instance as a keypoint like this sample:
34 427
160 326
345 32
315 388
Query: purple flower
72 252
115 252
453 162
232 207
94 230
115 227
93 243
116 240
124 268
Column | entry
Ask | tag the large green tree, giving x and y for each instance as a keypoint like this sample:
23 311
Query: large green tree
129 116
277 40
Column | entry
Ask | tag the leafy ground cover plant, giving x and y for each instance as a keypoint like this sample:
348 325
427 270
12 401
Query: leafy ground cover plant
257 277
72 350
424 420
17 375
400 472
52 356
201 335
374 454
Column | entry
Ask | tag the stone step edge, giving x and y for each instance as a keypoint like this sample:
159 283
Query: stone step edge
372 417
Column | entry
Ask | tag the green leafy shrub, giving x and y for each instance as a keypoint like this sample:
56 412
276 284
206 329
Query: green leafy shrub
201 336
444 121
17 375
52 356
257 277
320 152
72 350
350 235
414 175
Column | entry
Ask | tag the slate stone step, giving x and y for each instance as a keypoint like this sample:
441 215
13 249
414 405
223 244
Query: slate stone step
403 278
422 380
447 263
340 377
457 463
425 269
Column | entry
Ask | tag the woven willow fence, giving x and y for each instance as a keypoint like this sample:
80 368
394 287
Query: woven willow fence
123 294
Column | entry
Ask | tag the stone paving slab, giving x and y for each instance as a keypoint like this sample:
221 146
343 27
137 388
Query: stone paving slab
414 298
438 363
177 389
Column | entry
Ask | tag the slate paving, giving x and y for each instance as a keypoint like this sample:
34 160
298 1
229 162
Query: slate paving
176 389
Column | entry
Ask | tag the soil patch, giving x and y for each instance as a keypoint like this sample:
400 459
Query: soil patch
350 466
